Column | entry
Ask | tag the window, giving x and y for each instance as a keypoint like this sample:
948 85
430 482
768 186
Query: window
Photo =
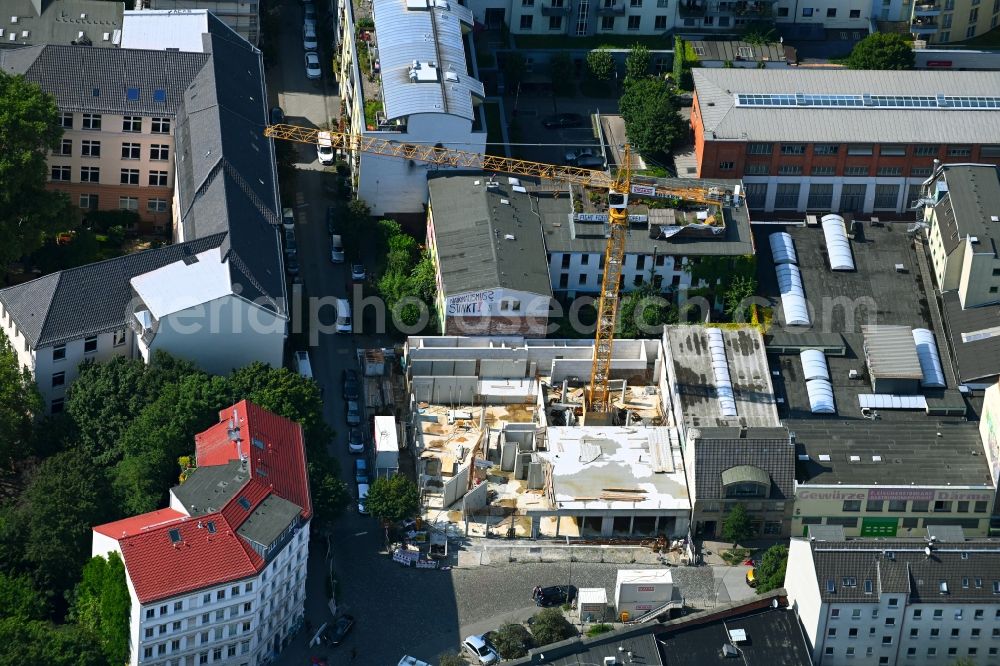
634 22
980 507
834 613
92 121
892 149
973 17
926 150
663 4
56 406
826 149
852 505
132 124
156 205
886 196
66 147
931 651
526 21
147 652
221 594
914 633
726 166
820 196
90 174
90 148
859 149
59 352
889 171
942 506
919 506
130 177
759 149
756 169
793 149
790 170
89 347
555 23
161 126
875 505
822 171
917 614
756 194
855 13
852 632
66 120
607 23
158 178
989 151
828 651
898 506
58 379
920 172
850 652
959 151
787 195
131 151
118 341
807 11
887 640
60 173
527 3
856 171
855 613
938 613
128 203
660 23
889 621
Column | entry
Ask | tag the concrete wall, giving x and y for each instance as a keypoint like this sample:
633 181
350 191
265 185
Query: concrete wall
444 390
221 336
989 429
978 278
818 12
804 595
584 270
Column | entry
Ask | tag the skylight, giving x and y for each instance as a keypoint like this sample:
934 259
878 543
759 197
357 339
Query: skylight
159 95
868 101
830 585
175 535
258 442
210 525
132 95
868 586
96 92
244 502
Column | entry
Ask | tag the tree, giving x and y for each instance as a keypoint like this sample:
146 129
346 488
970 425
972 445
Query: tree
29 130
40 642
101 605
562 74
740 289
882 50
19 598
758 33
20 404
512 641
643 312
551 626
636 64
601 64
452 659
652 122
329 492
393 498
514 68
736 526
770 573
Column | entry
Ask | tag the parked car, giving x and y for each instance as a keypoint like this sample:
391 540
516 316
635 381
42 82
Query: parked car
591 162
358 272
288 218
302 364
292 266
361 470
563 120
363 499
277 115
335 634
353 413
481 652
291 247
312 64
557 595
324 148
355 441
331 220
309 10
578 153
337 249
352 385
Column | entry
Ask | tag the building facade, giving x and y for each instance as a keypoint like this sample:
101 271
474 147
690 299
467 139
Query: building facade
833 141
415 89
219 576
944 21
912 601
242 16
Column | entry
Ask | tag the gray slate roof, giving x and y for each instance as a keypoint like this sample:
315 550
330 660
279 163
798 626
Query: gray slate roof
208 489
720 450
901 565
471 226
973 197
269 519
61 22
978 359
723 120
90 299
73 73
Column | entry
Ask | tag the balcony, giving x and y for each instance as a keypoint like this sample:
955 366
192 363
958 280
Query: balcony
742 8
555 8
923 25
926 9
611 8
692 8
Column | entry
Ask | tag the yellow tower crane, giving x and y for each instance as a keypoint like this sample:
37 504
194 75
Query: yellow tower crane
619 187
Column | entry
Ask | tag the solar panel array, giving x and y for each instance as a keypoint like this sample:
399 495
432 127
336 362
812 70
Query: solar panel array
868 101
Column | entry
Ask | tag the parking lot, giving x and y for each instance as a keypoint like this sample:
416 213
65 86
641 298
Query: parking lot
530 115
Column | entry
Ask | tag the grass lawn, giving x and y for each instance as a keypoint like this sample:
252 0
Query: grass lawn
990 40
592 42
494 133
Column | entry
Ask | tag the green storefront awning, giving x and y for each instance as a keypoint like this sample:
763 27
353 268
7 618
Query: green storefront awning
745 474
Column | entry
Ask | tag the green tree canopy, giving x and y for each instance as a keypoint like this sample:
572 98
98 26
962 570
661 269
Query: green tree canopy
452 659
601 64
20 404
19 598
736 526
882 50
739 290
562 74
512 641
652 122
101 605
40 642
393 498
636 64
551 626
29 129
329 492
643 312
771 572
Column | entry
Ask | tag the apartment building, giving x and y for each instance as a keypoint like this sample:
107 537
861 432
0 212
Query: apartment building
84 22
915 601
581 17
944 21
219 576
243 16
407 79
489 259
218 297
840 140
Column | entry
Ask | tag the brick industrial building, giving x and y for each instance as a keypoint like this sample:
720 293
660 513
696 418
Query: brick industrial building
840 140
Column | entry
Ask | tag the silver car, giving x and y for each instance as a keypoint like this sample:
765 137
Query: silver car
312 66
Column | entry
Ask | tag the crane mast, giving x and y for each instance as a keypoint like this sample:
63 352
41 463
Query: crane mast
619 188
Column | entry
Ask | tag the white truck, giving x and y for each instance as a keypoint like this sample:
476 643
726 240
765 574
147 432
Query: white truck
386 446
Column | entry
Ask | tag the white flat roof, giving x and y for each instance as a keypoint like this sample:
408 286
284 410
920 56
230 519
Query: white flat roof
182 285
588 461
165 29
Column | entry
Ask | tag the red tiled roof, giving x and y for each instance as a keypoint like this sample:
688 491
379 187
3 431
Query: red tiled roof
160 568
161 564
135 524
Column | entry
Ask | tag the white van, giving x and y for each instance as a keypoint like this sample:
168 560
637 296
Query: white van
344 323
336 249
363 499
302 364
324 148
